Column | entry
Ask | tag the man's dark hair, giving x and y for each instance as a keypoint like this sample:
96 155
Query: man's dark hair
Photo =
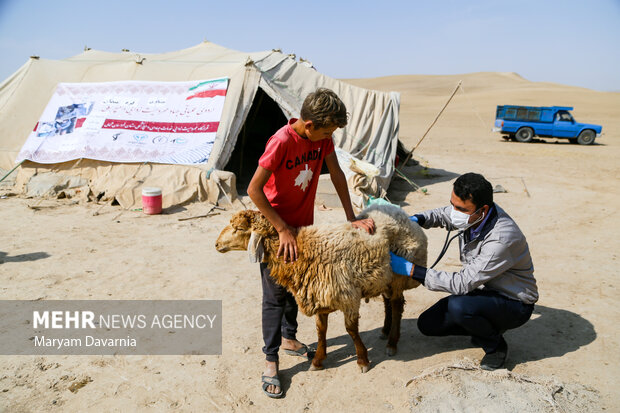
473 186
324 108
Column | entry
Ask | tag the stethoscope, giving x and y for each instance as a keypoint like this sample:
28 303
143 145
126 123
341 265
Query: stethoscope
446 244
448 240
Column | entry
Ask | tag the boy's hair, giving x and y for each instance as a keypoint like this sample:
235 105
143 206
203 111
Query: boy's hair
474 187
324 108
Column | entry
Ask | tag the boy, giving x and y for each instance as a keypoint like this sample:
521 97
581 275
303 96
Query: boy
283 188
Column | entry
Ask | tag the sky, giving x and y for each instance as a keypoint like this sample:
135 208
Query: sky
569 42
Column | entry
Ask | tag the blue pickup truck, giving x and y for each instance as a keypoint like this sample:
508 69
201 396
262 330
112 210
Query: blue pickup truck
522 123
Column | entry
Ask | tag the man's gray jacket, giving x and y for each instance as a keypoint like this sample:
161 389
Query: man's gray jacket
497 259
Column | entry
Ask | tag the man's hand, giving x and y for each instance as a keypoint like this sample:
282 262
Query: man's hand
366 224
400 265
288 244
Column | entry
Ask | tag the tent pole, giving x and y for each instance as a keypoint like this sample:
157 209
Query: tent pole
432 124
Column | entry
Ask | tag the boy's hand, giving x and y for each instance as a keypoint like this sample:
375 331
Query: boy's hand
367 224
288 244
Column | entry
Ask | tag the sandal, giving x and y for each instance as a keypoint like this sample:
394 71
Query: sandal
271 380
303 351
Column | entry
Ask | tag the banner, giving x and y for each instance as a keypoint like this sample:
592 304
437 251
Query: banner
129 121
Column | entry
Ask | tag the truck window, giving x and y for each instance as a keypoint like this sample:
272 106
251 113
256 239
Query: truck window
564 117
533 114
510 113
522 113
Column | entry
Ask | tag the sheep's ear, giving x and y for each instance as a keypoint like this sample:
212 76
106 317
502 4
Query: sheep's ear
255 247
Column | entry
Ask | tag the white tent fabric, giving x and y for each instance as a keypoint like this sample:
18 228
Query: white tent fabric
371 135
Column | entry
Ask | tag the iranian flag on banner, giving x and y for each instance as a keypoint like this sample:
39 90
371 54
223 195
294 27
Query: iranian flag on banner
209 89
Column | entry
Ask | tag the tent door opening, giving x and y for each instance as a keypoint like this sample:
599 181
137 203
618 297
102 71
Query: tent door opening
264 119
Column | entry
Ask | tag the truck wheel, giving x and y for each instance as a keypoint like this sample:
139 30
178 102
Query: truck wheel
586 137
524 135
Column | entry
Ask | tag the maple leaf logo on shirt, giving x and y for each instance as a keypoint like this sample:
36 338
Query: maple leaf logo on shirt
304 178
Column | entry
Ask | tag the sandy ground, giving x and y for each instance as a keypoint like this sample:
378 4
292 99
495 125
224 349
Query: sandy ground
564 197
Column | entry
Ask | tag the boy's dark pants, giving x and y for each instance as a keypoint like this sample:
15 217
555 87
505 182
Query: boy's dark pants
279 315
483 315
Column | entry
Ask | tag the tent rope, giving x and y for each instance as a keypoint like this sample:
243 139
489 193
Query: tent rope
432 124
484 125
11 171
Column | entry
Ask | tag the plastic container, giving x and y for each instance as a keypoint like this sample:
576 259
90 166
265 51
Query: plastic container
151 200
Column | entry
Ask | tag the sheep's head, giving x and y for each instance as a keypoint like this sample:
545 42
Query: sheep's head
236 235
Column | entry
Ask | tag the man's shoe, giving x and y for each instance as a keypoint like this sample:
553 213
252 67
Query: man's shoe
495 360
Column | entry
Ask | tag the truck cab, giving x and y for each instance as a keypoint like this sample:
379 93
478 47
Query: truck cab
522 123
564 125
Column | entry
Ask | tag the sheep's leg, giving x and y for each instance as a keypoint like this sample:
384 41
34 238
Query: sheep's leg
397 303
351 321
321 348
387 322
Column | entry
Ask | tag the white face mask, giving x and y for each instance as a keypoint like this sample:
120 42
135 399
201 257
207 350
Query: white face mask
461 220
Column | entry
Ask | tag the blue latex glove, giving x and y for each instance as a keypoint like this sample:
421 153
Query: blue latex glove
413 218
400 265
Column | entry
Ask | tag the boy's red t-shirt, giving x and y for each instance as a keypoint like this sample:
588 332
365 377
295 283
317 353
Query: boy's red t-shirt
295 165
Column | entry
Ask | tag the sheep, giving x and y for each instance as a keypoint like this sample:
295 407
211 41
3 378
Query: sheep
337 266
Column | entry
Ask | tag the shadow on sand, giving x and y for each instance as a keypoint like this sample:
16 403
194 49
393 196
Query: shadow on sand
32 256
420 176
559 141
551 332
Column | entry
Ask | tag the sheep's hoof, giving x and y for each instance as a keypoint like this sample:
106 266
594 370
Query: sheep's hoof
315 368
390 351
364 369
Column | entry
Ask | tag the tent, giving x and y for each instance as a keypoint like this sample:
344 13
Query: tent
265 89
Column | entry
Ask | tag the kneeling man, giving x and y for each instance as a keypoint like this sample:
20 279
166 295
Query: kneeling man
495 290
